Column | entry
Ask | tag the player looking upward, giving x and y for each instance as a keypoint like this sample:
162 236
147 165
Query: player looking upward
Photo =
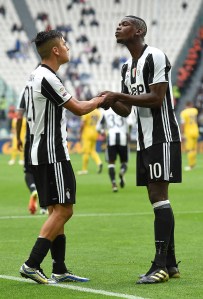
146 84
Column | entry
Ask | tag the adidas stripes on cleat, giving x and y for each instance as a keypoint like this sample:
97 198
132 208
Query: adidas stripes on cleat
173 272
158 276
68 277
35 274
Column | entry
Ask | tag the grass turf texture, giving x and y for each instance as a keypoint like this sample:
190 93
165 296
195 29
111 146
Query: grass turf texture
109 238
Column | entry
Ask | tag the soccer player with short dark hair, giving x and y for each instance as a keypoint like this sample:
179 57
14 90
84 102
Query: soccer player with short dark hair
146 84
46 97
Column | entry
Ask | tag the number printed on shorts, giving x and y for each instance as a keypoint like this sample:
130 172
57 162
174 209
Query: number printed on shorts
155 170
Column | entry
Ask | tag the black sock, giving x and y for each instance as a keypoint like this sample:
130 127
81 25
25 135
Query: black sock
123 168
112 174
162 229
38 253
29 179
58 250
171 259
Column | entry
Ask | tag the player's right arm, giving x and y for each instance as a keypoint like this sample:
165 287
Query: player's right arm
83 107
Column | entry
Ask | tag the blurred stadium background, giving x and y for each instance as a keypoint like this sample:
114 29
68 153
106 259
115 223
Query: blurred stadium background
175 26
110 236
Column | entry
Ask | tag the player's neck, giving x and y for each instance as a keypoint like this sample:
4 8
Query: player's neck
51 64
136 50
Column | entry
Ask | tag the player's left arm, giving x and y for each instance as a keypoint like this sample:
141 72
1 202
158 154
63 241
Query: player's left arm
153 99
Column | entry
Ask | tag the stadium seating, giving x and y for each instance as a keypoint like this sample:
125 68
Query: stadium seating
167 32
164 32
14 71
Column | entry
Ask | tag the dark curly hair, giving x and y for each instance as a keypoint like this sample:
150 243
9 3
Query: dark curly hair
139 23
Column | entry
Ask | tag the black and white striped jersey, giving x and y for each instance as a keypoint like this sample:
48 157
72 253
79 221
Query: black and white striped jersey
117 127
44 97
155 125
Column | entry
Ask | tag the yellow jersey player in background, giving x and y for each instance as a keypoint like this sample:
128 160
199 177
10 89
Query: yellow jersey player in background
88 137
190 133
14 149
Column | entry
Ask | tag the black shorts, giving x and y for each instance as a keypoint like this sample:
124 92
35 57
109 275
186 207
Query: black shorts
158 163
114 150
55 183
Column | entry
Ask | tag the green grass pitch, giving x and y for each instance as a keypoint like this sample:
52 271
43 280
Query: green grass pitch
109 238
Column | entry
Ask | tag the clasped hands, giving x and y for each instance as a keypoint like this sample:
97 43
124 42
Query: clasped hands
108 99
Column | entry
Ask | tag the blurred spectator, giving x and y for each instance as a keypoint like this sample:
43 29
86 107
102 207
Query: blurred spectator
16 27
85 78
82 39
48 27
11 115
2 108
190 63
16 50
123 59
73 127
94 22
14 149
91 11
116 63
95 59
71 73
21 50
94 49
81 22
2 11
87 93
75 61
86 11
184 5
70 5
154 22
64 28
176 94
42 16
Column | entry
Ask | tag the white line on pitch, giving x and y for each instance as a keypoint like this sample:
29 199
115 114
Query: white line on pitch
75 288
98 215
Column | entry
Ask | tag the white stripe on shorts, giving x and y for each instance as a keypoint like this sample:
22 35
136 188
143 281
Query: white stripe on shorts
166 160
59 181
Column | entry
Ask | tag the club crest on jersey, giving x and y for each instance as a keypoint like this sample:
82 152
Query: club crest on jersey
62 89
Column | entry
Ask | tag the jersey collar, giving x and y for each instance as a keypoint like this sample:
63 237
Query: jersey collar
46 66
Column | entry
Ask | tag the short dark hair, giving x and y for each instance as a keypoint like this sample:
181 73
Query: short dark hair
140 23
46 38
